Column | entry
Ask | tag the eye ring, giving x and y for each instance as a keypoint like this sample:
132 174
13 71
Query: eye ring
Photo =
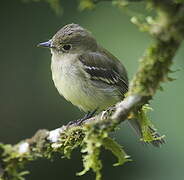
66 47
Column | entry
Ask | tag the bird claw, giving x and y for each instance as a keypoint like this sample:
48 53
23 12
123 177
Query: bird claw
79 122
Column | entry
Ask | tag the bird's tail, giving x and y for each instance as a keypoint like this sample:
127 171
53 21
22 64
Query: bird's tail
157 139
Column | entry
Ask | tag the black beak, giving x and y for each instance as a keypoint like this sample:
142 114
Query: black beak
46 44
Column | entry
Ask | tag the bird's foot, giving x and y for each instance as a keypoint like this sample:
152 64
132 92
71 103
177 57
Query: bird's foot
79 122
107 113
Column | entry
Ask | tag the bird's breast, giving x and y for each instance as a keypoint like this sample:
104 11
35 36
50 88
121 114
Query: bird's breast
74 84
68 78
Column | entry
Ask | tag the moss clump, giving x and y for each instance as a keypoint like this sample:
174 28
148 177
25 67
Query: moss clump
95 138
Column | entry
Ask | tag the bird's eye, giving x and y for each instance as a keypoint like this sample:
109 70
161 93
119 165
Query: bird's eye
66 47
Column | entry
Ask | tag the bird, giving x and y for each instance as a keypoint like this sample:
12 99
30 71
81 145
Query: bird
88 75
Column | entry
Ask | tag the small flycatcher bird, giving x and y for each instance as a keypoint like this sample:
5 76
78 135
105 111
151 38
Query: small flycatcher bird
86 74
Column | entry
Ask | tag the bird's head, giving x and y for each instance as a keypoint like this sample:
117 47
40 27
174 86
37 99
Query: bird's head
72 38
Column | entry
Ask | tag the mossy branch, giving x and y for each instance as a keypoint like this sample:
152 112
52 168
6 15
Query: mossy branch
167 30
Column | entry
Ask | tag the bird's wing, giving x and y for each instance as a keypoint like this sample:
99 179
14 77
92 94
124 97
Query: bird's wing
105 68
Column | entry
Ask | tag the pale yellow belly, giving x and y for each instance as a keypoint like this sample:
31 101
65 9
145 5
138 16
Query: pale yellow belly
83 94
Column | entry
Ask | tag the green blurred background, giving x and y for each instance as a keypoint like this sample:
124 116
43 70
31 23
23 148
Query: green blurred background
29 100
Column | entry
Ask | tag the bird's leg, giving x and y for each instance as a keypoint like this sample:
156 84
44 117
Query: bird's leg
90 114
86 116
